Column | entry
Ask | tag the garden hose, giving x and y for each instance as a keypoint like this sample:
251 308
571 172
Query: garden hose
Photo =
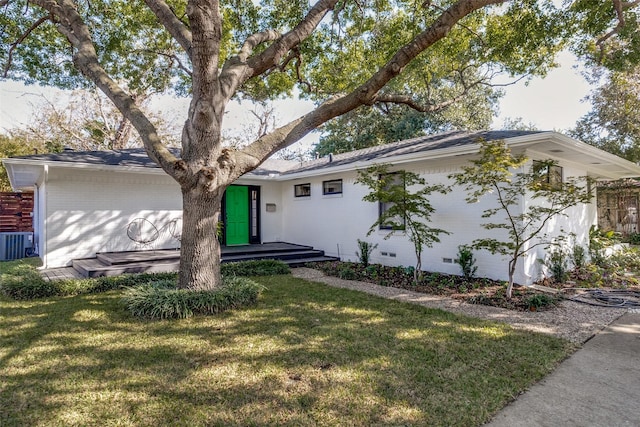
613 298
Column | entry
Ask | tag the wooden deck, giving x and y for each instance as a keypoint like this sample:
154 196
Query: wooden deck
155 261
61 273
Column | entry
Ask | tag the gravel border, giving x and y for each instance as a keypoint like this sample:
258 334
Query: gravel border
571 320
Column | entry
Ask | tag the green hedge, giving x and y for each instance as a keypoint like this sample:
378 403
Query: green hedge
262 267
162 300
21 280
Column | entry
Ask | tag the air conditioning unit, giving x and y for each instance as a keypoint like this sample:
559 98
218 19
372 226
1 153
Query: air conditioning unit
15 245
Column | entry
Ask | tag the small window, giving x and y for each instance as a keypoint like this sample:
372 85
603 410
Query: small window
332 187
398 222
549 174
302 190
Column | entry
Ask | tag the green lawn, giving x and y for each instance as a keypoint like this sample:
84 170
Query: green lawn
305 355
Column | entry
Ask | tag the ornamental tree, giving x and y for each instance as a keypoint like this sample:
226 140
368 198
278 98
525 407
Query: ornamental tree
407 209
495 172
343 54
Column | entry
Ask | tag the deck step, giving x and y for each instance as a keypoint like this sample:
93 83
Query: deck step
166 260
92 267
116 258
273 255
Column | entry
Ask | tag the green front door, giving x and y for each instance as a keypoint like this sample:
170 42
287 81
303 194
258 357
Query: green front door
237 215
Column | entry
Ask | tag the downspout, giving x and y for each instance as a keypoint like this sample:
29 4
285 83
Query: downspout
43 216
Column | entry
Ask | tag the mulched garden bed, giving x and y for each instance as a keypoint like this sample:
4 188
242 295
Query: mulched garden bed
476 291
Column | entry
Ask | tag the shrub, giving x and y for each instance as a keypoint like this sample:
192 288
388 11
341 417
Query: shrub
538 301
23 282
557 264
599 240
346 272
634 238
161 300
578 256
365 250
262 267
467 262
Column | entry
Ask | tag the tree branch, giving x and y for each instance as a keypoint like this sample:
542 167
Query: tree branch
410 102
619 7
172 23
239 69
85 59
252 155
256 40
15 44
172 57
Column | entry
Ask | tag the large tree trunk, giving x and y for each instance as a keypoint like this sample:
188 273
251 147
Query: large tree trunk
200 247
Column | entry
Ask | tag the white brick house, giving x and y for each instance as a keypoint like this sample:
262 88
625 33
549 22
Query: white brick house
86 200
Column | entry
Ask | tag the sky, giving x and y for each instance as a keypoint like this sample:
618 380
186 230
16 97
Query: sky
552 103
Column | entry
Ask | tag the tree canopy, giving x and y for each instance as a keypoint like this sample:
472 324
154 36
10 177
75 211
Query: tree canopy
342 54
384 123
613 124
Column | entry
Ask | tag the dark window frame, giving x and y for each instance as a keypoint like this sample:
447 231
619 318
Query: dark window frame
381 209
324 188
301 186
551 175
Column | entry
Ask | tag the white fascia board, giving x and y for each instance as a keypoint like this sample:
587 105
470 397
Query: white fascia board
86 166
596 153
518 141
11 174
422 155
111 168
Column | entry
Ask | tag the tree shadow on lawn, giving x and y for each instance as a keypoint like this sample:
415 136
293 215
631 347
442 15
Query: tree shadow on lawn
306 354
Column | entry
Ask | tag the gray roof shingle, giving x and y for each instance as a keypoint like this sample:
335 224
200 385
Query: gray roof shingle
409 146
137 157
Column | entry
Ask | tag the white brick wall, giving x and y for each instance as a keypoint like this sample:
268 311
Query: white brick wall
88 211
334 223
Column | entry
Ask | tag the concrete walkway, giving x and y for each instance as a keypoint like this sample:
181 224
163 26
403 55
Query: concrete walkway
599 385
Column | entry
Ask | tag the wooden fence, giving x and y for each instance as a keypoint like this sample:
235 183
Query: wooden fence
15 212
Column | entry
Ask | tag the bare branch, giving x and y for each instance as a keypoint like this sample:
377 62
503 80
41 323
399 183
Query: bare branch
24 35
172 23
295 54
172 57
